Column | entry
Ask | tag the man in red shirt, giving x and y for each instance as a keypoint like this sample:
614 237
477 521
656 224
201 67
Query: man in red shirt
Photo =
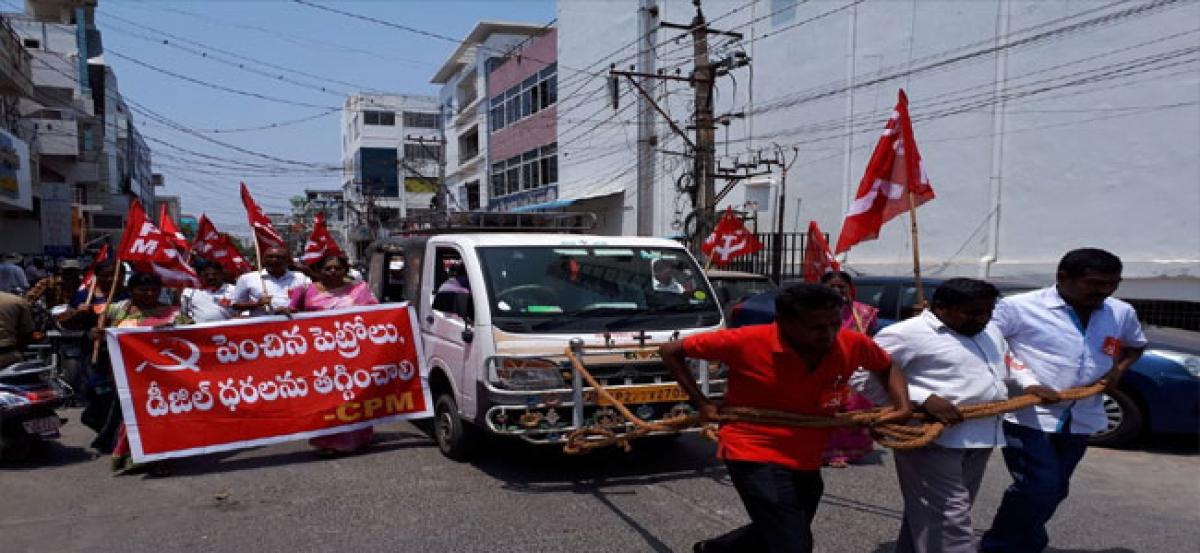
802 364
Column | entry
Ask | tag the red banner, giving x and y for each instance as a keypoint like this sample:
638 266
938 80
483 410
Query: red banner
198 389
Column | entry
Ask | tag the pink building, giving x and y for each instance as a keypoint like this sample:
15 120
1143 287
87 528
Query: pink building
522 125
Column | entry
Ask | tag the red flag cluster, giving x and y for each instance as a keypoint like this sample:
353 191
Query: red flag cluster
320 243
729 240
213 246
894 182
151 250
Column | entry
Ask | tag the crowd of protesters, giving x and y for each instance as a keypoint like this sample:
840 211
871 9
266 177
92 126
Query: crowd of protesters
56 296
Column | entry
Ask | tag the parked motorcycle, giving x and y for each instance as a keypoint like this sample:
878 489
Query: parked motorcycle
30 392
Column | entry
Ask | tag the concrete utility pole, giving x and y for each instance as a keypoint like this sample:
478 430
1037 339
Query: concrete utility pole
647 141
704 163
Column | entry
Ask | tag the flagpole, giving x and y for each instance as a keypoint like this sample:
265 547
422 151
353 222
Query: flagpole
912 212
262 280
100 322
91 290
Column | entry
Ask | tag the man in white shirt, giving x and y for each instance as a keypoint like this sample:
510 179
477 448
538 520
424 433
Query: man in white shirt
664 277
951 356
248 293
212 302
1070 334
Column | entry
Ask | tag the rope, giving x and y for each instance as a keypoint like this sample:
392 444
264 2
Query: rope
918 432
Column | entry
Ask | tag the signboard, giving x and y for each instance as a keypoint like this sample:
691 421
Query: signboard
15 183
55 207
197 389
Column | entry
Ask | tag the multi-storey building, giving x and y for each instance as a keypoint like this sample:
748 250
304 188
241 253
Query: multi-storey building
17 213
465 95
87 159
522 128
390 156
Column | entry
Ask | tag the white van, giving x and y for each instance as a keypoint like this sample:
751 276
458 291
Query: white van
496 334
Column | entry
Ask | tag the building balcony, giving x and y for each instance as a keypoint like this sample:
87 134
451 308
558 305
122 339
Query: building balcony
16 76
467 115
55 137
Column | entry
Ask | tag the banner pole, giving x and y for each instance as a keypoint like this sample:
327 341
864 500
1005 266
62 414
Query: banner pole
100 322
912 212
91 289
262 280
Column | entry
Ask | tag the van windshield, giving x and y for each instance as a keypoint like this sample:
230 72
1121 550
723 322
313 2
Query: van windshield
596 289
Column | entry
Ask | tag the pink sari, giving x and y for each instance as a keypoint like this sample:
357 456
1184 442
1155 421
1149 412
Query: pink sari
851 444
312 298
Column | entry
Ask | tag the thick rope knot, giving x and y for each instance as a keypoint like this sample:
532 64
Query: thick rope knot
918 432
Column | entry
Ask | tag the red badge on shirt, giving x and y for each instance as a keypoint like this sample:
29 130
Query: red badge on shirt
1111 347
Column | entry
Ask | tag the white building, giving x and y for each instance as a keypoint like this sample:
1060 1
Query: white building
1044 125
88 160
464 99
388 174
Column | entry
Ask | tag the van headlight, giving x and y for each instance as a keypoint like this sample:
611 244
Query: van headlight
1189 362
525 373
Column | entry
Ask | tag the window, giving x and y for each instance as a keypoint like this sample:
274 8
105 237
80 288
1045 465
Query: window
380 118
420 120
32 43
512 107
473 195
497 181
379 172
430 152
530 170
496 113
514 175
534 94
549 163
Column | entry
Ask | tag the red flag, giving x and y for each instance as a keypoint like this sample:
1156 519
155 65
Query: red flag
264 231
818 260
729 240
320 243
895 170
216 247
168 227
150 250
89 277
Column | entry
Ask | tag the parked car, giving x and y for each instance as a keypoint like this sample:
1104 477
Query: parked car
1159 394
732 287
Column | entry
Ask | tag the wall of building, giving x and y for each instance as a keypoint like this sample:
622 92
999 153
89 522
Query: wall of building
1064 137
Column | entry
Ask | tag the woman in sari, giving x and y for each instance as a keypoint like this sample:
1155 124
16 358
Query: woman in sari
331 289
850 444
142 309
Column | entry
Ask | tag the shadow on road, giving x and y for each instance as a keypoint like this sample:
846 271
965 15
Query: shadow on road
231 461
50 454
889 547
528 468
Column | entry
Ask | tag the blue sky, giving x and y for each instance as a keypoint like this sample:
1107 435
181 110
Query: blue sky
346 54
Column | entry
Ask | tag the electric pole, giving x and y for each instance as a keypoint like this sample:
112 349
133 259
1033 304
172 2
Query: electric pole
647 141
703 147
705 160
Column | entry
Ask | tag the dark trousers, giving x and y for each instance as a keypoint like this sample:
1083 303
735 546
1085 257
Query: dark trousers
781 503
1041 464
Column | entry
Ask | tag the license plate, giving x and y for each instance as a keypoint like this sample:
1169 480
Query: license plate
653 393
42 426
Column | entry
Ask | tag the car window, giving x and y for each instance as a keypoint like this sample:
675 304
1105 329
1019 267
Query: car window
870 294
908 298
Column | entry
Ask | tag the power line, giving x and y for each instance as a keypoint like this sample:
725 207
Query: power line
214 86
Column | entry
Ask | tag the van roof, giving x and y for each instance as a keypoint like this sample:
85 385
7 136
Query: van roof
552 239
